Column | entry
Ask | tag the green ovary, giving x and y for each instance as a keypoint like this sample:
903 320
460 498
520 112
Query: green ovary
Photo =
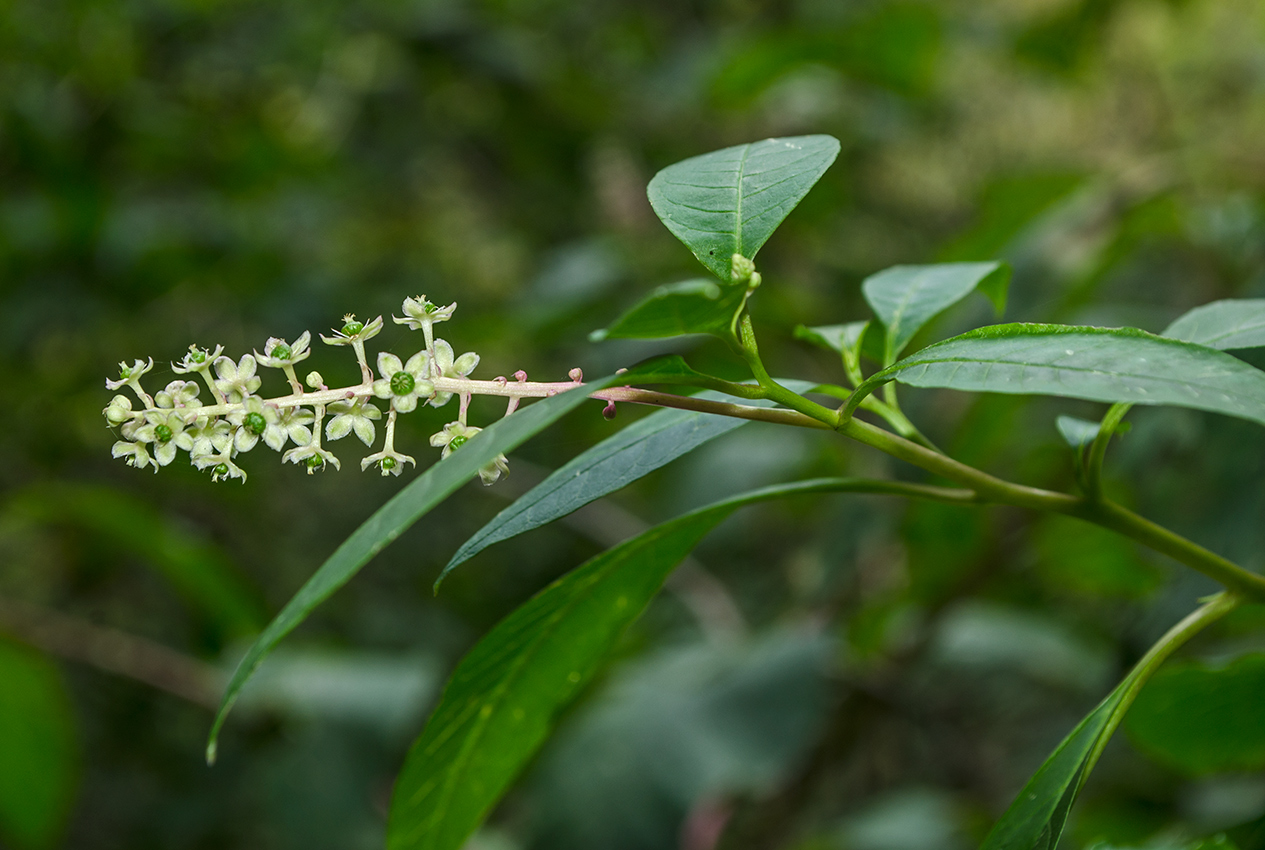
402 383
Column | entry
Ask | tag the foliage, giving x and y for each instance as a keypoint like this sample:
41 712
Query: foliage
217 172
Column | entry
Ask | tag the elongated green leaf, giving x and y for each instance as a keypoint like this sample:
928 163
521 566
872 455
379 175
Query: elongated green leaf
500 702
39 753
611 465
697 306
1036 818
905 298
1202 718
730 201
390 521
1099 364
1229 324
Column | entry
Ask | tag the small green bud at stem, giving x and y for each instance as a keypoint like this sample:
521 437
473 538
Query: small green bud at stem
312 462
163 433
457 442
281 351
353 327
220 469
388 463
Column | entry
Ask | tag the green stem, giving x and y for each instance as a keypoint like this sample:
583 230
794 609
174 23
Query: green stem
1098 449
1214 609
773 390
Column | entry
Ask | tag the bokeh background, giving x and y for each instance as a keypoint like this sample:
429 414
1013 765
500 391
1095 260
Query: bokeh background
842 673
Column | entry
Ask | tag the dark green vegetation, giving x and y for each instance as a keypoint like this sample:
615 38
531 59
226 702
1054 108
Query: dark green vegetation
834 671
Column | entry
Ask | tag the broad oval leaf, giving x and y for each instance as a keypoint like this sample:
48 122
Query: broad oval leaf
1203 719
500 702
389 522
39 768
698 306
611 465
905 298
730 201
1098 364
1229 324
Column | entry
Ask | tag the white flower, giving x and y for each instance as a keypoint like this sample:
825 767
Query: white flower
236 380
311 456
178 394
403 383
161 428
357 415
135 454
420 314
449 367
389 461
196 360
221 466
204 437
291 423
454 436
250 422
119 410
489 474
278 353
129 374
353 331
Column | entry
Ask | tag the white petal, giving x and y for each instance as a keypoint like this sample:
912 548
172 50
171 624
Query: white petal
388 364
364 430
338 427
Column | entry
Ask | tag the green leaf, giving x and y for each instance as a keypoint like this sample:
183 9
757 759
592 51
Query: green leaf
730 201
1203 718
1098 364
199 571
1229 324
1077 433
611 465
1036 818
393 518
697 306
905 298
501 701
40 762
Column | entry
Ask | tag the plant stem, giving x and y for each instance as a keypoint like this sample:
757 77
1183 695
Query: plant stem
1214 609
1098 449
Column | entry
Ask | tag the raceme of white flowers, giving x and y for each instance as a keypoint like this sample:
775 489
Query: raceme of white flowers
237 419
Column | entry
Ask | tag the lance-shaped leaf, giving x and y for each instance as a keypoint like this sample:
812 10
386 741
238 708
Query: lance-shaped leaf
730 201
500 703
1229 324
391 520
1036 818
611 465
1098 364
697 306
905 298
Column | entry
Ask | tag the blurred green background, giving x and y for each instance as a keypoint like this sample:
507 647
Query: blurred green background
851 673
